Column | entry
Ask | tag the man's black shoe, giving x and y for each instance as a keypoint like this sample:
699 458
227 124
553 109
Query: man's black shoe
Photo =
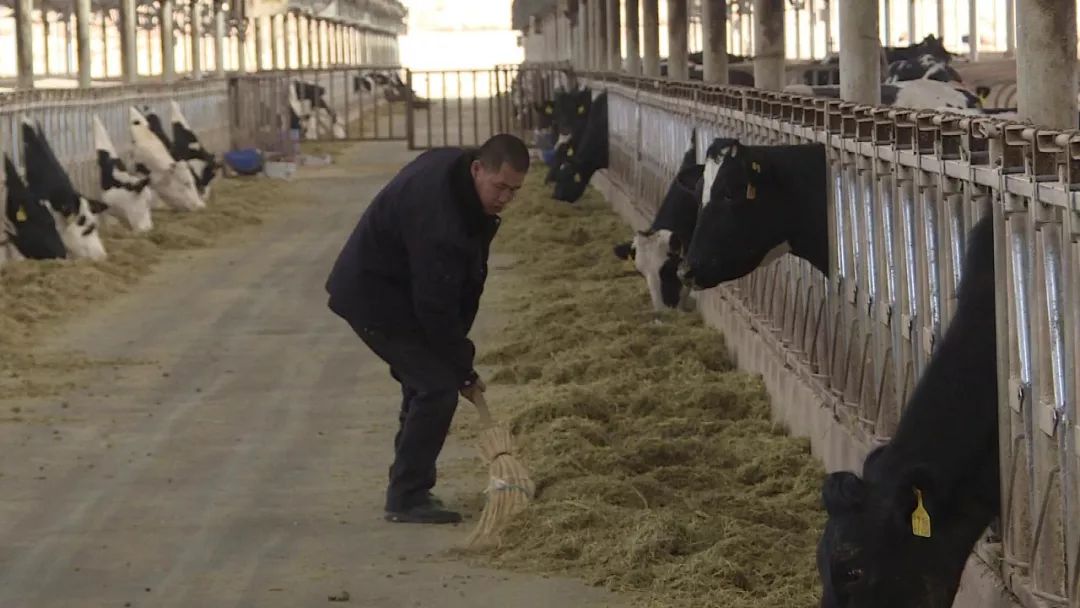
435 501
427 513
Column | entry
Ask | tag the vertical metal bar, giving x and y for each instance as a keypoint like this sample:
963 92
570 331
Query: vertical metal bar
445 137
461 125
475 111
427 83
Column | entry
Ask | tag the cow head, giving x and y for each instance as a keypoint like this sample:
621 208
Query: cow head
30 226
740 226
657 255
79 231
872 553
572 110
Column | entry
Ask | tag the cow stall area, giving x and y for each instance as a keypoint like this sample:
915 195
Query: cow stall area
658 468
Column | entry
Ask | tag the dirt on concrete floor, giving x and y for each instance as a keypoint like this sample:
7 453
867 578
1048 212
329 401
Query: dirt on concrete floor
205 433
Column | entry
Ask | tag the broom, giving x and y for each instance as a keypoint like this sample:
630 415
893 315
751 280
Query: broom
509 487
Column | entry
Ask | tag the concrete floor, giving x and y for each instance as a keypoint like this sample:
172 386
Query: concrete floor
243 464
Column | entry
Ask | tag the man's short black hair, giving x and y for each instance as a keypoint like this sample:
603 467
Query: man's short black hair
504 148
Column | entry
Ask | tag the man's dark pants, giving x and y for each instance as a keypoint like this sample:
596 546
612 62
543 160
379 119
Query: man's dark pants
429 396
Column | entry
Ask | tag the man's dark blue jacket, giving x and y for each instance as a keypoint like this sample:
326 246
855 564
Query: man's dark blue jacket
416 263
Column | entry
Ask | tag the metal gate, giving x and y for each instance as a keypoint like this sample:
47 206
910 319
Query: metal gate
466 107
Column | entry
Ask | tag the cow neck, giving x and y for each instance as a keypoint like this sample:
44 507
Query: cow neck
477 222
807 210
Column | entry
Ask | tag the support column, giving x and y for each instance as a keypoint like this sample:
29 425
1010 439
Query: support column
105 44
829 46
941 19
602 41
614 36
168 42
275 41
291 22
769 44
860 63
911 21
678 56
650 38
1045 54
633 38
714 29
196 42
241 46
24 43
69 46
887 18
257 24
219 39
973 28
312 37
82 41
129 50
1010 28
45 35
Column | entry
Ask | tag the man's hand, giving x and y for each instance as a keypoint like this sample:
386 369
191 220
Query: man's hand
470 392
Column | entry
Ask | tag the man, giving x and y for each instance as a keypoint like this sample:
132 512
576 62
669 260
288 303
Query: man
409 282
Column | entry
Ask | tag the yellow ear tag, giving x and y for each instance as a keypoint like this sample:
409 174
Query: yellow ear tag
581 109
569 152
20 215
577 178
751 192
756 167
547 110
920 519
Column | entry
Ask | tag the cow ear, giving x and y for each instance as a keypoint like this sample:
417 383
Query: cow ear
97 207
843 492
624 251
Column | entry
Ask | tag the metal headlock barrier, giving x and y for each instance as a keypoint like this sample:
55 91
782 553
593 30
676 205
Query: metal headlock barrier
66 118
906 186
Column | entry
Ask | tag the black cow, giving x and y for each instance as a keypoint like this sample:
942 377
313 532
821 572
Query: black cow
31 227
592 155
758 202
944 453
571 116
658 251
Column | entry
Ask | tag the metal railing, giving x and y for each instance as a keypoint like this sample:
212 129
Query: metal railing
905 187
66 117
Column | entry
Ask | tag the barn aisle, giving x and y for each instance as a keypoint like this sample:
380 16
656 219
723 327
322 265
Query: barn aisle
236 455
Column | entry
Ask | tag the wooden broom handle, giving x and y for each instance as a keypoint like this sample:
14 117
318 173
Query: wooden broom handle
482 407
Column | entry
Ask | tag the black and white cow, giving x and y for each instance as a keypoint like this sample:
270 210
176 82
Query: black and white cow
944 455
29 228
309 110
171 181
126 192
658 252
188 149
75 215
592 155
758 203
914 94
